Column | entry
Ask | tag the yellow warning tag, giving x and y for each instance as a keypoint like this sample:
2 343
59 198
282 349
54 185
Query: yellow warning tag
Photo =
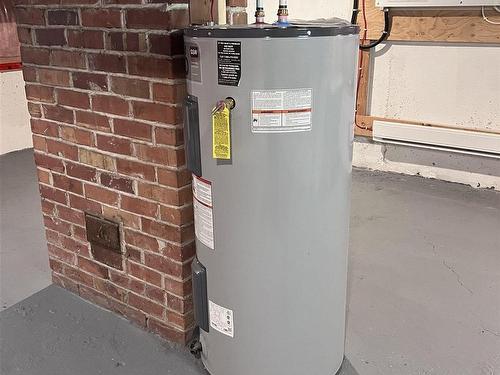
221 132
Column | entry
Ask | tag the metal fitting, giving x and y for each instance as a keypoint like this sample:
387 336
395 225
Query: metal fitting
283 12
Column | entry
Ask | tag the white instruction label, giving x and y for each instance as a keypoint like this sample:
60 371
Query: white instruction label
203 211
281 111
221 319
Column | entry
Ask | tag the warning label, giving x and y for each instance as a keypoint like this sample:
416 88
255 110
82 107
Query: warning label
221 135
281 111
203 211
229 62
221 319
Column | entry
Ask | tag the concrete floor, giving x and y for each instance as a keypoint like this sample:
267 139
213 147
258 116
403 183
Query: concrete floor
24 263
424 290
424 280
57 333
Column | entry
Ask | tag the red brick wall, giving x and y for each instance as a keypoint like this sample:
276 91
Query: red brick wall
105 82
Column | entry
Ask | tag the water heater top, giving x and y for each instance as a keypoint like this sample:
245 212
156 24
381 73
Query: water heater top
330 27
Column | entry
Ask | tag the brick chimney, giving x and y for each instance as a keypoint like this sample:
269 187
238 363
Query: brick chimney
105 83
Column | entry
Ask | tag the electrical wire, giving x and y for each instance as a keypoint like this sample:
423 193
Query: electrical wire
486 19
361 54
387 24
355 11
385 32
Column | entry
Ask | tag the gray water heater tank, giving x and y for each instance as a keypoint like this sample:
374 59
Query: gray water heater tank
271 218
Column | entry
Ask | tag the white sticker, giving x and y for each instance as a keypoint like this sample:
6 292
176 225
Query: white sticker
202 190
221 319
281 111
203 211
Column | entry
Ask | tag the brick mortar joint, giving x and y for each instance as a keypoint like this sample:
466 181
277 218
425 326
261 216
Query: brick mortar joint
105 30
145 252
182 226
131 157
159 254
142 264
78 285
125 30
162 241
165 81
126 194
128 291
109 153
89 51
125 273
121 175
113 116
186 225
162 274
124 157
92 94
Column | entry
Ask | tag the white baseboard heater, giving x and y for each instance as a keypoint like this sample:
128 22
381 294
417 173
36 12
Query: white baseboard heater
438 138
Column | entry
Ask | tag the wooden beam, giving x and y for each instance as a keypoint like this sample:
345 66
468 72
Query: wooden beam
360 128
364 83
461 25
364 126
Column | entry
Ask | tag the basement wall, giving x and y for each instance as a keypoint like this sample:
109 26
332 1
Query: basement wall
15 132
450 84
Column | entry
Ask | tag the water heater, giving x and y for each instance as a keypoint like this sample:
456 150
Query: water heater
268 132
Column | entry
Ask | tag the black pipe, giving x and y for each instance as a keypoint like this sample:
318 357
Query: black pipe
385 33
355 11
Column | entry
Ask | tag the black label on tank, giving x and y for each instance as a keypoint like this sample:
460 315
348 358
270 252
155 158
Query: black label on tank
194 52
229 62
194 71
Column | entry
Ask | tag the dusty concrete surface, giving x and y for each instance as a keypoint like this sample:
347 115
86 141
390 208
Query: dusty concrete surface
57 333
24 263
472 170
424 287
424 290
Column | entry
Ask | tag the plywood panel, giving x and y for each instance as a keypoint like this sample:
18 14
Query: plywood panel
437 25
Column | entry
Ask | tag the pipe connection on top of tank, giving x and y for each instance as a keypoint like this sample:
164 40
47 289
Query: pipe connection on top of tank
259 12
283 12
